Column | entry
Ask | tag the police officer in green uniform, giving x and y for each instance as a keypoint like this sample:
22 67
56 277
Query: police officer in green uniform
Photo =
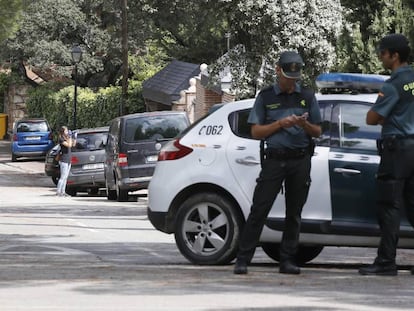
394 110
285 116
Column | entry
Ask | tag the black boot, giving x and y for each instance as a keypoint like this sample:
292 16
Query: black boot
289 267
379 269
240 267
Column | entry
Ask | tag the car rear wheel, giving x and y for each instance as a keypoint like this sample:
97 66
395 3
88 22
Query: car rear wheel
122 195
110 194
72 191
55 180
207 229
305 253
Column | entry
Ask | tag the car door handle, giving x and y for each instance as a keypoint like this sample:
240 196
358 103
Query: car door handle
249 161
346 171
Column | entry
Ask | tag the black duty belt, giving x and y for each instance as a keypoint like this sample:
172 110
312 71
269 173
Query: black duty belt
285 154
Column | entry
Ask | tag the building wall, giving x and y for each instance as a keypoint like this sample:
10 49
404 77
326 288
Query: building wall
206 98
155 106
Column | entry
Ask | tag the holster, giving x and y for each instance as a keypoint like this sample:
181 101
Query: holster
389 143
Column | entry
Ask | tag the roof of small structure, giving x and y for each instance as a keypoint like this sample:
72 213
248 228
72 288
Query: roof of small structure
165 86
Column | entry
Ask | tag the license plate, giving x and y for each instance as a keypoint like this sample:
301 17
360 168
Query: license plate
95 166
32 138
152 158
49 160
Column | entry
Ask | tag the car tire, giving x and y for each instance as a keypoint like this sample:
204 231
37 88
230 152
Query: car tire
213 240
305 253
110 194
71 191
55 180
13 157
122 195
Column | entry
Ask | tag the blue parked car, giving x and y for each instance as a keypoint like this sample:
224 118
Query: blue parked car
31 138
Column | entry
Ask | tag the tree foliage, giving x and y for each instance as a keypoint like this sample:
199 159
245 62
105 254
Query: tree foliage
244 37
94 108
263 29
370 21
190 32
9 13
49 28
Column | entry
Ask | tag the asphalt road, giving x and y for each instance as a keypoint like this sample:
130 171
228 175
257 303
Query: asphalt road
88 253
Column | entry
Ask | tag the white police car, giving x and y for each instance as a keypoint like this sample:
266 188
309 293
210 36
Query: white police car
203 183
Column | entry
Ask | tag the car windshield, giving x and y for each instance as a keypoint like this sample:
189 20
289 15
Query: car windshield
154 127
90 141
39 126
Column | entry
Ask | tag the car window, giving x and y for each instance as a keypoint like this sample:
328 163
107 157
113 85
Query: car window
238 123
90 141
154 127
354 131
32 127
326 115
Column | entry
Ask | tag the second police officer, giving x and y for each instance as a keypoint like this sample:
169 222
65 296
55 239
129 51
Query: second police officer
394 110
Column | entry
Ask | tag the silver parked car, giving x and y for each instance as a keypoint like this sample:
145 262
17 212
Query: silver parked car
88 157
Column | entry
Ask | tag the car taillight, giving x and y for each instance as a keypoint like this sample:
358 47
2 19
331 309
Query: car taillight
173 151
74 160
14 137
122 159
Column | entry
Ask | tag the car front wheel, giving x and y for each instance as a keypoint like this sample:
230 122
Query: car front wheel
304 254
207 229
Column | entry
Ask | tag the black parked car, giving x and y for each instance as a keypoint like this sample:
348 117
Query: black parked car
132 150
52 168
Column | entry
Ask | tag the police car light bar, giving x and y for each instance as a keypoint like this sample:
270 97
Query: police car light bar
350 81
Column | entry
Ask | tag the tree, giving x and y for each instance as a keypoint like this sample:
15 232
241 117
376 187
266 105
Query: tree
9 12
49 28
193 33
372 20
263 29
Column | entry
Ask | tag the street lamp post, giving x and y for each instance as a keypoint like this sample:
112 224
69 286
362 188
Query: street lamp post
76 58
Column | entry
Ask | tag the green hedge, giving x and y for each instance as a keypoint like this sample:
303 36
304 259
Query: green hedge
94 108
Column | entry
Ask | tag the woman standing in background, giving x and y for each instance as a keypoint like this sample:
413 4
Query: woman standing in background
66 141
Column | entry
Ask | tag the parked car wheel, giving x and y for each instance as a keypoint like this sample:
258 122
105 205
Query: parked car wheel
71 191
110 194
207 229
55 180
305 253
13 157
122 195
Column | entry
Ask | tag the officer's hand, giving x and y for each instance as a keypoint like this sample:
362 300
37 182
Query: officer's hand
301 120
293 120
288 121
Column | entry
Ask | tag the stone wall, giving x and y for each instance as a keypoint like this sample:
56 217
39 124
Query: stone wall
15 103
